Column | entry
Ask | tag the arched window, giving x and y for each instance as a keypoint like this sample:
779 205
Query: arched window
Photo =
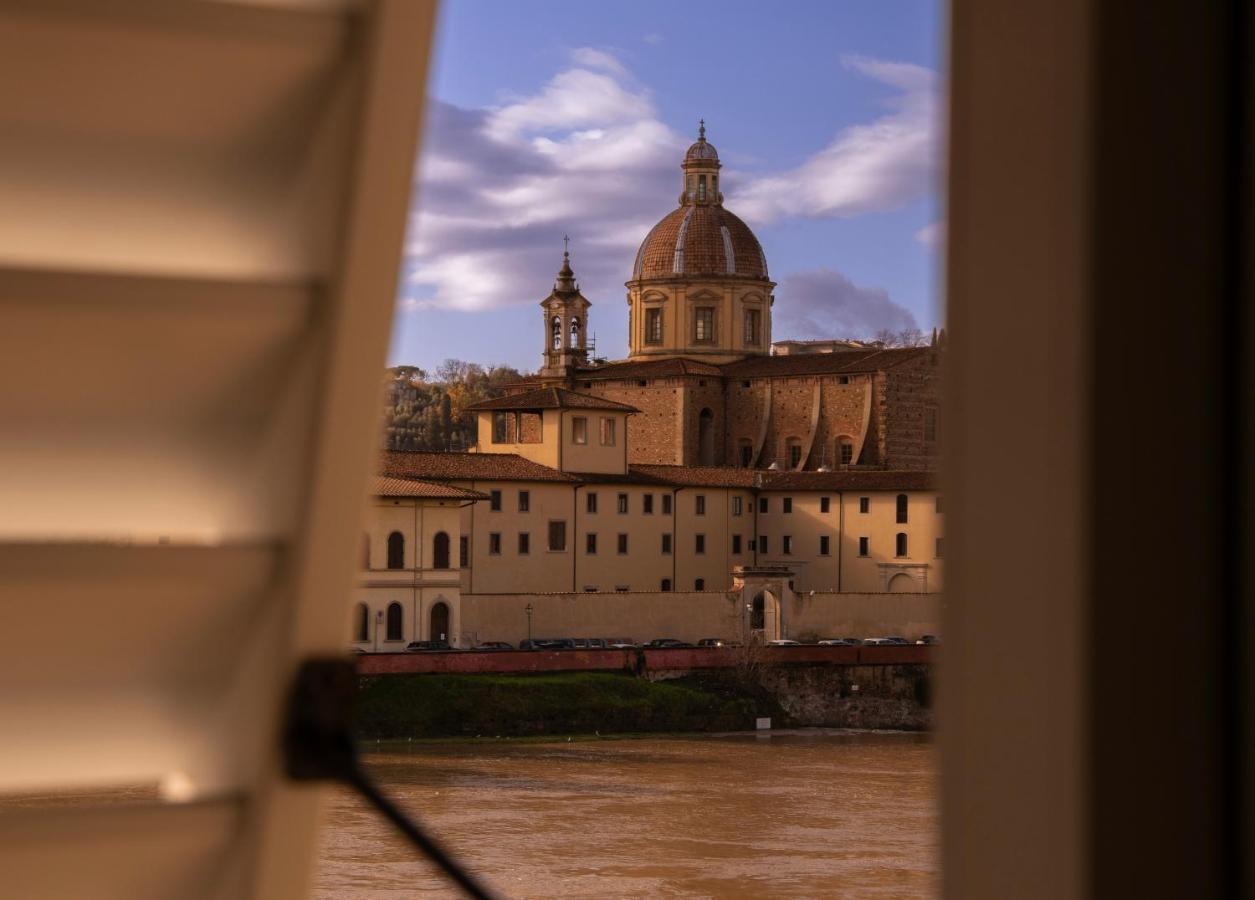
439 622
901 508
845 451
901 544
557 332
396 550
364 552
361 623
440 551
706 438
394 622
575 327
793 452
701 188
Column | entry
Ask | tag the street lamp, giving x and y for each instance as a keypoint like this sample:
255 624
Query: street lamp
529 610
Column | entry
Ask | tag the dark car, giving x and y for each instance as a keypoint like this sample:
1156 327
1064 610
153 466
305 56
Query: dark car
928 639
547 644
589 643
897 639
426 646
667 644
837 642
495 645
714 642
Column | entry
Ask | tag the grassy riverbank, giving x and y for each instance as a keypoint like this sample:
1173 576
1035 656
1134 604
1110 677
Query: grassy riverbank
424 706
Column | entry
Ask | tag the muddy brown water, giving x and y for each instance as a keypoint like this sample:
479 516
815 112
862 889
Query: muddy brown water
805 814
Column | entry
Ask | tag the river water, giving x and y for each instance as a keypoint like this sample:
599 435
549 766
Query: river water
801 814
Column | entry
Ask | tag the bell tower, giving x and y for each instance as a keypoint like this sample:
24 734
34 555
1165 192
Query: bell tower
566 321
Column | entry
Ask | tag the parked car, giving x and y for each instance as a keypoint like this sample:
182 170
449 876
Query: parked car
621 644
897 639
547 644
783 642
495 645
667 644
837 642
929 639
426 646
714 642
589 643
878 642
853 642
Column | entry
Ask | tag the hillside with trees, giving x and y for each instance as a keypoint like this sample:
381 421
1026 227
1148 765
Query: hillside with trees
428 411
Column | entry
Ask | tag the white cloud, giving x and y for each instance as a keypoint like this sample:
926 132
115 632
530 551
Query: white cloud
653 38
867 168
587 155
824 303
933 235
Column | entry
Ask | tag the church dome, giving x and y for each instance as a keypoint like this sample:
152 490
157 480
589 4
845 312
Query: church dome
700 240
701 149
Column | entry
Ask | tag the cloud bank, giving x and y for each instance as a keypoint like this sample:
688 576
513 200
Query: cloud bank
588 155
824 303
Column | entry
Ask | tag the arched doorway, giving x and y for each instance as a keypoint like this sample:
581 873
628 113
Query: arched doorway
439 622
758 613
440 551
706 438
902 583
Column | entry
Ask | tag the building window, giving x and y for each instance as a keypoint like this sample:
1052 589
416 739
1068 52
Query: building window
557 332
666 584
623 503
396 551
699 545
738 505
752 319
864 505
736 544
395 622
440 551
666 545
607 431
500 428
647 504
525 501
557 536
590 501
699 504
762 504
786 545
930 426
653 326
622 588
824 504
703 325
747 453
762 543
901 544
786 505
361 623
863 546
699 584
623 544
901 508
579 429
590 543
701 188
795 453
494 543
937 501
494 501
464 551
825 545
845 451
525 543
666 504
940 547
751 545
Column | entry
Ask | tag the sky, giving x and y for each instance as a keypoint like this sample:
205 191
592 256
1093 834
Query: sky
548 119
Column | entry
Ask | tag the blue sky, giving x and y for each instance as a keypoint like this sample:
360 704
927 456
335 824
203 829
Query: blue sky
549 118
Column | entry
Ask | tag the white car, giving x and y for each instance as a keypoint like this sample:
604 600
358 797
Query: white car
783 642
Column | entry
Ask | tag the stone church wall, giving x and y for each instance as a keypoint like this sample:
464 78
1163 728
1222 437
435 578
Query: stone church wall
907 392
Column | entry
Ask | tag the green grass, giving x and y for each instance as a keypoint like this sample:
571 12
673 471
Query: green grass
425 706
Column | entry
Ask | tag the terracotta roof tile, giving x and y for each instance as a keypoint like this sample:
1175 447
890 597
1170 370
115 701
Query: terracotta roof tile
841 362
550 398
650 368
435 466
384 486
690 241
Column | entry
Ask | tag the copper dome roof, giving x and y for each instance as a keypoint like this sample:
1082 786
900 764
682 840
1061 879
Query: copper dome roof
700 240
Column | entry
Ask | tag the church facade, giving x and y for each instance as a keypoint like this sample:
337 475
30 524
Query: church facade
711 387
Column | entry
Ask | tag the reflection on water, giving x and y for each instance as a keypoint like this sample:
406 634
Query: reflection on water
807 814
